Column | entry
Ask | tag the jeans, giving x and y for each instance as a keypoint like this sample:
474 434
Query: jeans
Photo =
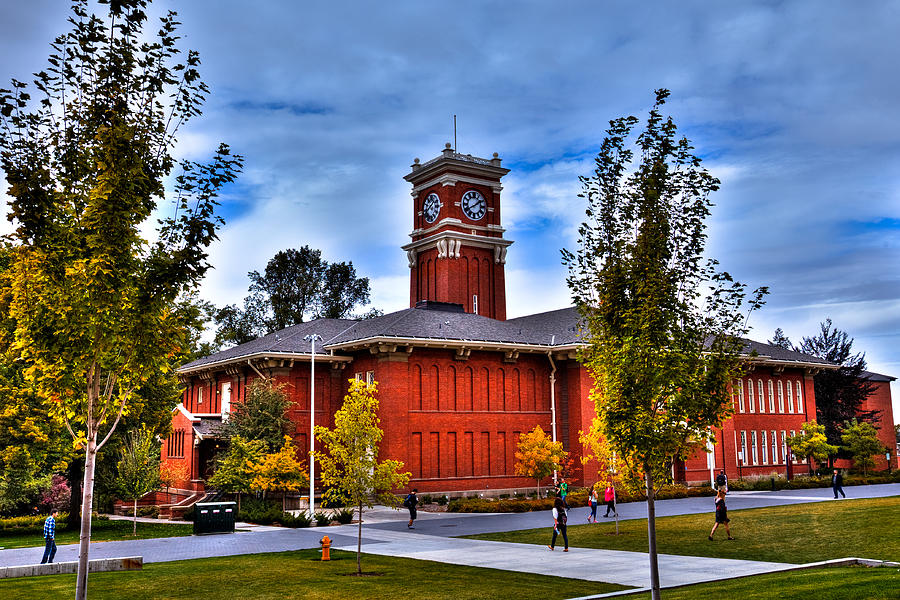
49 551
838 488
593 511
561 528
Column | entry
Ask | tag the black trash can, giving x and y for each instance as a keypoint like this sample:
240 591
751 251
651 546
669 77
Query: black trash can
214 517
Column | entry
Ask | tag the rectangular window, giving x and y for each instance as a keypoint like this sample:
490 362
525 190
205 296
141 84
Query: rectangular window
780 397
200 395
175 444
793 456
771 387
741 395
357 376
475 304
784 448
754 447
774 448
370 377
226 399
750 399
790 390
799 398
765 448
744 456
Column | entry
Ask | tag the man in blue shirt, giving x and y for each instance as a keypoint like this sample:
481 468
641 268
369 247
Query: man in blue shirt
50 537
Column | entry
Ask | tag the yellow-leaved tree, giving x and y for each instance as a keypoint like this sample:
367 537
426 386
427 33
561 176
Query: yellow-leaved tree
538 456
280 472
350 467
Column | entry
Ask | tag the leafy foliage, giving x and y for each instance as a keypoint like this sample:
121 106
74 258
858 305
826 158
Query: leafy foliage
350 465
663 328
781 340
860 439
261 416
537 455
811 442
280 471
839 393
92 300
138 468
296 285
235 469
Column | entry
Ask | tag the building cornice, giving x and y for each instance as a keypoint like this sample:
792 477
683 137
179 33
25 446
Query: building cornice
254 360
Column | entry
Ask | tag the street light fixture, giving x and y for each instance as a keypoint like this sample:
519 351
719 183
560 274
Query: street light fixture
312 338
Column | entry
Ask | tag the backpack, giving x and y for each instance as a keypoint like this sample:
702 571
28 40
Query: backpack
406 502
720 480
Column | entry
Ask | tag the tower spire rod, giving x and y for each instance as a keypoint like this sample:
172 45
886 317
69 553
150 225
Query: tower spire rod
455 149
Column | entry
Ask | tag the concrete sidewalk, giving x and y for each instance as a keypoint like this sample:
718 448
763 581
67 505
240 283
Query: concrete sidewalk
385 533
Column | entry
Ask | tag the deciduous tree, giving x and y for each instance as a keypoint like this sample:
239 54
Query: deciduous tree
262 415
538 456
86 162
349 466
662 327
811 443
138 468
234 470
280 472
860 439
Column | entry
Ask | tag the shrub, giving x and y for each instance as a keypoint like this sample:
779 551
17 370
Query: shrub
322 519
344 516
427 499
58 495
29 524
289 520
443 500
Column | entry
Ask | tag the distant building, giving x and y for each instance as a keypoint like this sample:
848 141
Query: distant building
458 382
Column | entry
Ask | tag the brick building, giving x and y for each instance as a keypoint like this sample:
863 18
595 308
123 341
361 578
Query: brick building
458 382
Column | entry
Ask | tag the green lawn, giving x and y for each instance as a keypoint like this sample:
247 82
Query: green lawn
859 583
302 575
798 533
102 530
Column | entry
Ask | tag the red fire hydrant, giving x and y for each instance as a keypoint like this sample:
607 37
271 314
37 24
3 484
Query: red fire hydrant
326 548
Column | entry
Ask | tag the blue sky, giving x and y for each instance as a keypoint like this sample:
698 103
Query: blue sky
793 105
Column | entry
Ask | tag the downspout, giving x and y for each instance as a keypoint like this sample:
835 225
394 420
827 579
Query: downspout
552 397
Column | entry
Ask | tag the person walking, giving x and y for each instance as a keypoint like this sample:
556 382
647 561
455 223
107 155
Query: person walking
559 523
564 490
837 483
609 496
722 481
410 503
721 515
50 537
592 502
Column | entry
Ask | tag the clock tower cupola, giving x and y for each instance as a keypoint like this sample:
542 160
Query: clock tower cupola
458 253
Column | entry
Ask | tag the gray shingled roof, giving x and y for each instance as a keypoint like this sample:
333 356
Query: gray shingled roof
877 376
557 326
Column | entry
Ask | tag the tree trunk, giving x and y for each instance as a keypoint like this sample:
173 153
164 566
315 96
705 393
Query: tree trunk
134 529
359 544
651 535
90 457
74 474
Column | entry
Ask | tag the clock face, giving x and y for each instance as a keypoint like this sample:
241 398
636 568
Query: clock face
432 207
473 205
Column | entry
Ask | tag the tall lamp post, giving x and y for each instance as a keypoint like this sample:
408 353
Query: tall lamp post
312 338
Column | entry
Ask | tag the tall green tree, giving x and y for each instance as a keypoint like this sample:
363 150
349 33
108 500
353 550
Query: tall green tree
811 443
662 327
261 416
138 468
860 440
349 467
781 340
295 286
86 161
840 393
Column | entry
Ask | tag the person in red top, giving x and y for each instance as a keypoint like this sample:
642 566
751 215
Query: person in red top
610 498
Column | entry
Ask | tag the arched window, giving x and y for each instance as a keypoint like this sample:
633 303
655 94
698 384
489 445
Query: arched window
799 399
771 387
790 391
765 447
762 395
750 400
780 397
740 390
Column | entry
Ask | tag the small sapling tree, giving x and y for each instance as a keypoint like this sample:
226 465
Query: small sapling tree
538 456
138 468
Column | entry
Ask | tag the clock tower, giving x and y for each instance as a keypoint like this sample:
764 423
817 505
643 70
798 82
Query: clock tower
457 253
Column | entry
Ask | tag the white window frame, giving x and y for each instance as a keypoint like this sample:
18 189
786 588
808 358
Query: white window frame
225 400
760 397
199 395
358 376
784 449
744 448
790 397
793 456
741 395
475 304
775 460
780 397
799 398
765 447
370 377
771 389
754 447
750 399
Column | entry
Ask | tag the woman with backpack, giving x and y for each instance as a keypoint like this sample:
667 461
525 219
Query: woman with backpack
559 522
